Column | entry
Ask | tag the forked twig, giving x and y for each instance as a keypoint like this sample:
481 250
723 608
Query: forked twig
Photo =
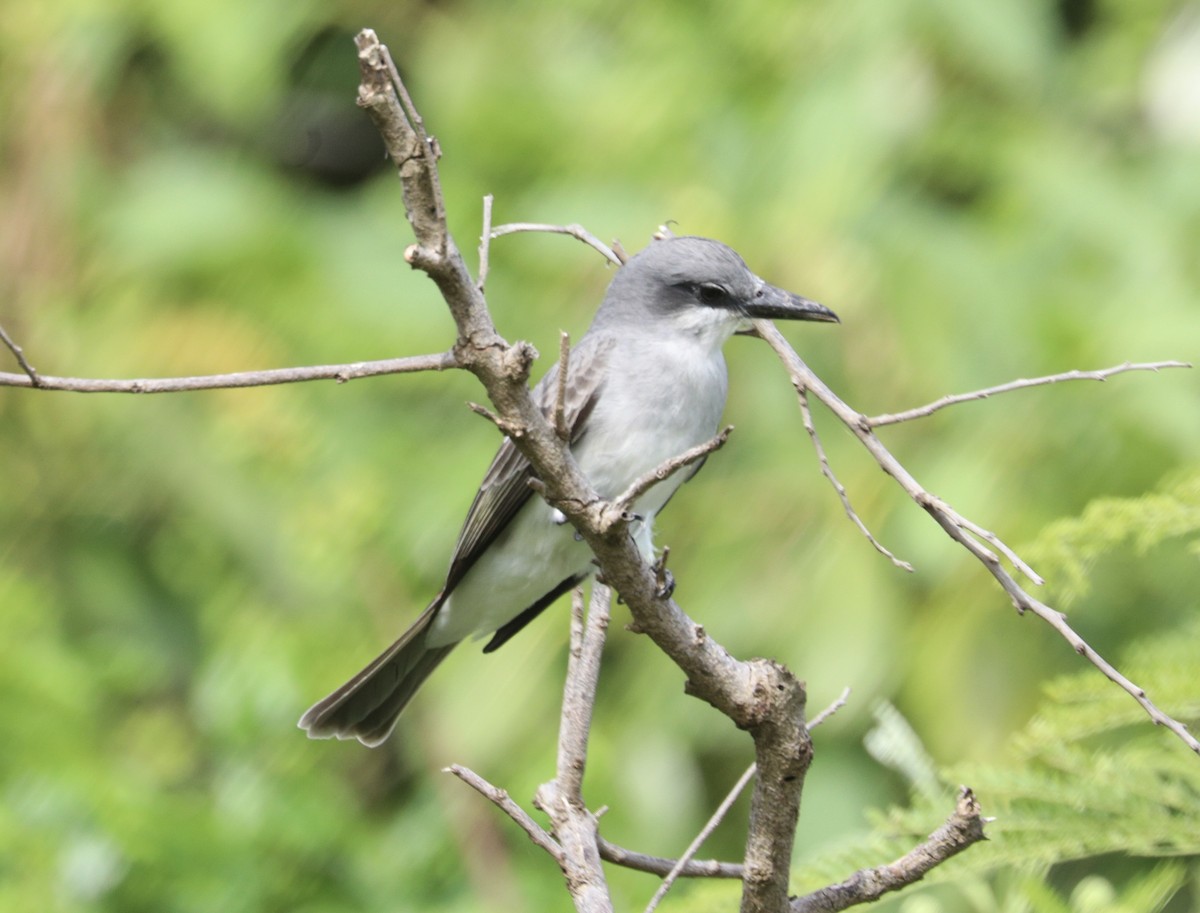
992 539
805 380
19 355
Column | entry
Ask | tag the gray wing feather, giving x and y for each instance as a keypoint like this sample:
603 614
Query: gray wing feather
505 487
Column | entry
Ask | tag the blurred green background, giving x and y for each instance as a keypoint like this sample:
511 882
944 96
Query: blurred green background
981 190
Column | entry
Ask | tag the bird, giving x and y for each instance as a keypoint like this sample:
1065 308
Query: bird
646 382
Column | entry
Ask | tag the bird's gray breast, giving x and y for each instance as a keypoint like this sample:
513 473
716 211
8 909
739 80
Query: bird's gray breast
658 399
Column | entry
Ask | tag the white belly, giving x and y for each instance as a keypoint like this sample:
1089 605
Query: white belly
527 561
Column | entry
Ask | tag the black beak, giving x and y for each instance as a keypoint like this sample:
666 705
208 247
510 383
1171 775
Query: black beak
775 303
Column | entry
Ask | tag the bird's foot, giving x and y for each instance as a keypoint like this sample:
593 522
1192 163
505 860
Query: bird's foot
664 580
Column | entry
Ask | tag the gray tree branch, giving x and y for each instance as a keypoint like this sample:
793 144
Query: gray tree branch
659 865
340 373
957 527
575 827
963 828
19 354
759 696
505 803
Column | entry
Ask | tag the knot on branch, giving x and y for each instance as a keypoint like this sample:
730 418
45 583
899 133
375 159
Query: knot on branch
770 699
517 360
422 258
612 517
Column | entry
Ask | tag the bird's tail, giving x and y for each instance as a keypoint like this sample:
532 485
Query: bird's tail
367 706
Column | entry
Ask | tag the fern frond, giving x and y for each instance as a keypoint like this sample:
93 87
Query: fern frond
1066 549
1086 778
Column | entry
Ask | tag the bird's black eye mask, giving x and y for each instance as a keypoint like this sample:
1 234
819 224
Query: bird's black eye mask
710 294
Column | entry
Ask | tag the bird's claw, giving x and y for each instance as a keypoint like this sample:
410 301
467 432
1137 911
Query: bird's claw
666 584
664 580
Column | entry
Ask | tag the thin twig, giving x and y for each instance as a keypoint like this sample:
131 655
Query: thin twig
507 428
804 379
658 865
505 803
579 695
643 483
963 828
485 241
560 391
995 541
575 231
830 710
562 798
341 373
1103 374
827 471
679 869
717 817
19 355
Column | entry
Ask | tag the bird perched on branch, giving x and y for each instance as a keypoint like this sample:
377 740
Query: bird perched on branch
645 383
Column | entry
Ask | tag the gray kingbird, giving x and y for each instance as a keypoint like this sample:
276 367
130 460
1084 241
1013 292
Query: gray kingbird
645 383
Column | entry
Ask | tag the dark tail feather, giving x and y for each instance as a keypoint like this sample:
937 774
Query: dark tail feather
367 706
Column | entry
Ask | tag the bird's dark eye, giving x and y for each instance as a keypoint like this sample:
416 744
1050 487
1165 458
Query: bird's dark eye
711 294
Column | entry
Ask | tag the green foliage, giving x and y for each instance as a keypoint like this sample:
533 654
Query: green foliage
981 190
1069 549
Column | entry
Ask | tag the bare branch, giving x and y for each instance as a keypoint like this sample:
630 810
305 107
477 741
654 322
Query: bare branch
583 673
562 798
508 428
993 540
383 95
340 373
19 355
827 471
879 421
504 802
657 865
485 241
717 817
761 697
830 710
624 502
575 231
680 868
963 828
560 391
805 380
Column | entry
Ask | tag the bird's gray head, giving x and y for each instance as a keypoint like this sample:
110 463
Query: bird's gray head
697 286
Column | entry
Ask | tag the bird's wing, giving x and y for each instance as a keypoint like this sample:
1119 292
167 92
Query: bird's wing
505 487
